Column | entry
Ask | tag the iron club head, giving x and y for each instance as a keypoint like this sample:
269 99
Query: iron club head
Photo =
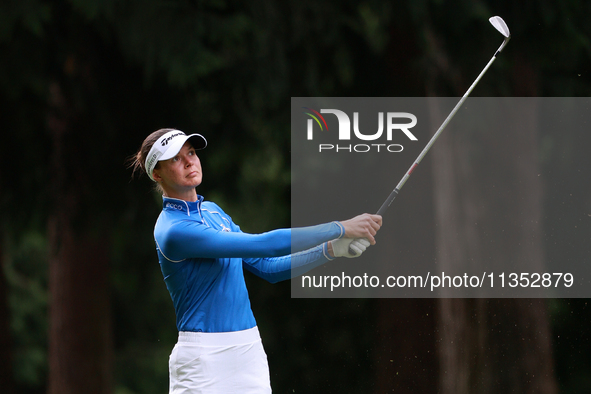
500 25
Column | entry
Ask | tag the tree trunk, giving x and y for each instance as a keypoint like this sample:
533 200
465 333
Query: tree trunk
404 355
488 203
6 372
79 322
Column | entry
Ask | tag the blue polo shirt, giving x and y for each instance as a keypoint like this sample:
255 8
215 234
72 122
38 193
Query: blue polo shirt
202 254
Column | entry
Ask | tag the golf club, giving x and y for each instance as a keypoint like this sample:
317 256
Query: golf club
501 26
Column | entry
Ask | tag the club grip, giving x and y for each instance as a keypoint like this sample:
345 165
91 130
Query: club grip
382 209
388 201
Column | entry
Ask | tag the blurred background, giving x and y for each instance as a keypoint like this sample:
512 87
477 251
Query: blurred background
83 307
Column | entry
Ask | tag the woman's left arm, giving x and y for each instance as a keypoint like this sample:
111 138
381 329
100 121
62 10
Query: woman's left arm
276 269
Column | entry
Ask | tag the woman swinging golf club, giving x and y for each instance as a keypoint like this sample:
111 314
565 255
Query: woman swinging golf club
202 253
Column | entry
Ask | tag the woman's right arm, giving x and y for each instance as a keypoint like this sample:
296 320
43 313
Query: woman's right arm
189 239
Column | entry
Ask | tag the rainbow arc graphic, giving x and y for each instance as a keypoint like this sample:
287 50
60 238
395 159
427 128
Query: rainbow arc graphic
315 116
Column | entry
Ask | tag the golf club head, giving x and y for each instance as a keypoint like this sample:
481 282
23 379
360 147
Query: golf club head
500 25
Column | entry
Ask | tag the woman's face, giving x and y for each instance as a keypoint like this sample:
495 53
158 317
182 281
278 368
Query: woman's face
180 175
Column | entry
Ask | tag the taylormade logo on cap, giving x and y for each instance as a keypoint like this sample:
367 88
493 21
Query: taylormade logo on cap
164 142
169 145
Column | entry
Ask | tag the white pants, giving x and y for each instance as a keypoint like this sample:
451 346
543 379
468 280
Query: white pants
219 363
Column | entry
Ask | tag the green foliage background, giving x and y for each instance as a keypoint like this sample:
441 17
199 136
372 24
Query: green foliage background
228 69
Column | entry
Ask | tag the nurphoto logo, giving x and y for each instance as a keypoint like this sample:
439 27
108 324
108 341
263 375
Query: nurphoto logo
395 122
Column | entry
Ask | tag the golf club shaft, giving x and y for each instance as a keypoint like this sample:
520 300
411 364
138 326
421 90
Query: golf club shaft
396 190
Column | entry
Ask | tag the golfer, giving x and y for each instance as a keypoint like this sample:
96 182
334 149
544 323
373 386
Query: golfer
202 254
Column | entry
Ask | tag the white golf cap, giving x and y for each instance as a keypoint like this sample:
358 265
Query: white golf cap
167 147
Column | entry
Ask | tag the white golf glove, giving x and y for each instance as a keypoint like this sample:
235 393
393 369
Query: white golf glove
342 247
